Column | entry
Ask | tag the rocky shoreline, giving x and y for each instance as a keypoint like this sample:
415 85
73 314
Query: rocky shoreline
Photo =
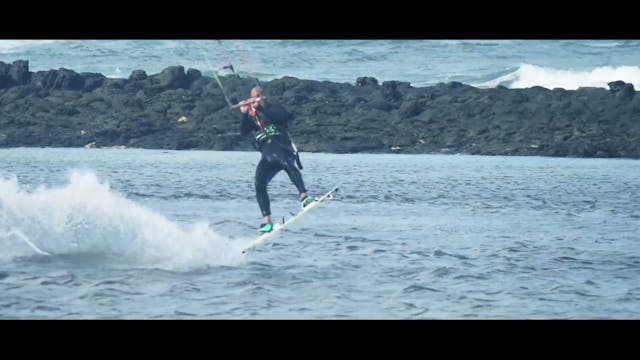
178 109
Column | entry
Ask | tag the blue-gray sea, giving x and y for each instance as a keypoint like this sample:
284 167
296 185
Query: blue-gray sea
567 64
146 234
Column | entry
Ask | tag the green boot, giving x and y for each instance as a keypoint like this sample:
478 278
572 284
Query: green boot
307 200
265 228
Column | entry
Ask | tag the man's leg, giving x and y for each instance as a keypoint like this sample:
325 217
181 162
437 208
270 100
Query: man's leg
296 178
265 171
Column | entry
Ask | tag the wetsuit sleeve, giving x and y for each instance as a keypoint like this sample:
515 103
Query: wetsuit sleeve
280 116
246 126
290 118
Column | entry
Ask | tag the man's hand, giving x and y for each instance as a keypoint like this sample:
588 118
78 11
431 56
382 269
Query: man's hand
249 104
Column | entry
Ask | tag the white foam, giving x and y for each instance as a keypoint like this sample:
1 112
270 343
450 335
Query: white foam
528 75
603 44
86 216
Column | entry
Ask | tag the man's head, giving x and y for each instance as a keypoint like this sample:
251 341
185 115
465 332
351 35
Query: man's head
256 92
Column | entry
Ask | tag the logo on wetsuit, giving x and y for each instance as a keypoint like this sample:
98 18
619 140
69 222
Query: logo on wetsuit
263 134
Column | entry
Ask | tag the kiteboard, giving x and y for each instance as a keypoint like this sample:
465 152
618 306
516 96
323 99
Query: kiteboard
262 238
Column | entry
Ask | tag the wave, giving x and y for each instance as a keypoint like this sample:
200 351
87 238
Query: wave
86 216
528 75
9 46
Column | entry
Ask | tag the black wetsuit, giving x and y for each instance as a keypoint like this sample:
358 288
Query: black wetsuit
271 126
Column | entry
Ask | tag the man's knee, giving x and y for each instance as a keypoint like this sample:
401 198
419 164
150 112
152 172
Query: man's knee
260 184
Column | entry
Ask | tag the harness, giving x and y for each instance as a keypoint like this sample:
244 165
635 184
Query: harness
266 132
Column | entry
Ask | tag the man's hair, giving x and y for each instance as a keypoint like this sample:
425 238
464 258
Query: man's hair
257 91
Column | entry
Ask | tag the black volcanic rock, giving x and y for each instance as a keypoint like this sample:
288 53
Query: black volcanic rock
137 75
64 108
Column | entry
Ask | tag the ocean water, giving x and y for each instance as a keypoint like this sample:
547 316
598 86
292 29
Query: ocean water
567 64
132 233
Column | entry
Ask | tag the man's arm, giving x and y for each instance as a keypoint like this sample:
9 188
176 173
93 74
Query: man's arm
245 125
280 116
246 107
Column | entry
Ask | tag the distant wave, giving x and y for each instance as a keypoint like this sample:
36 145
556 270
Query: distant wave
9 46
601 44
528 75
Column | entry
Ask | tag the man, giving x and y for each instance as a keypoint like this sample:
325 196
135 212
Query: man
270 122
